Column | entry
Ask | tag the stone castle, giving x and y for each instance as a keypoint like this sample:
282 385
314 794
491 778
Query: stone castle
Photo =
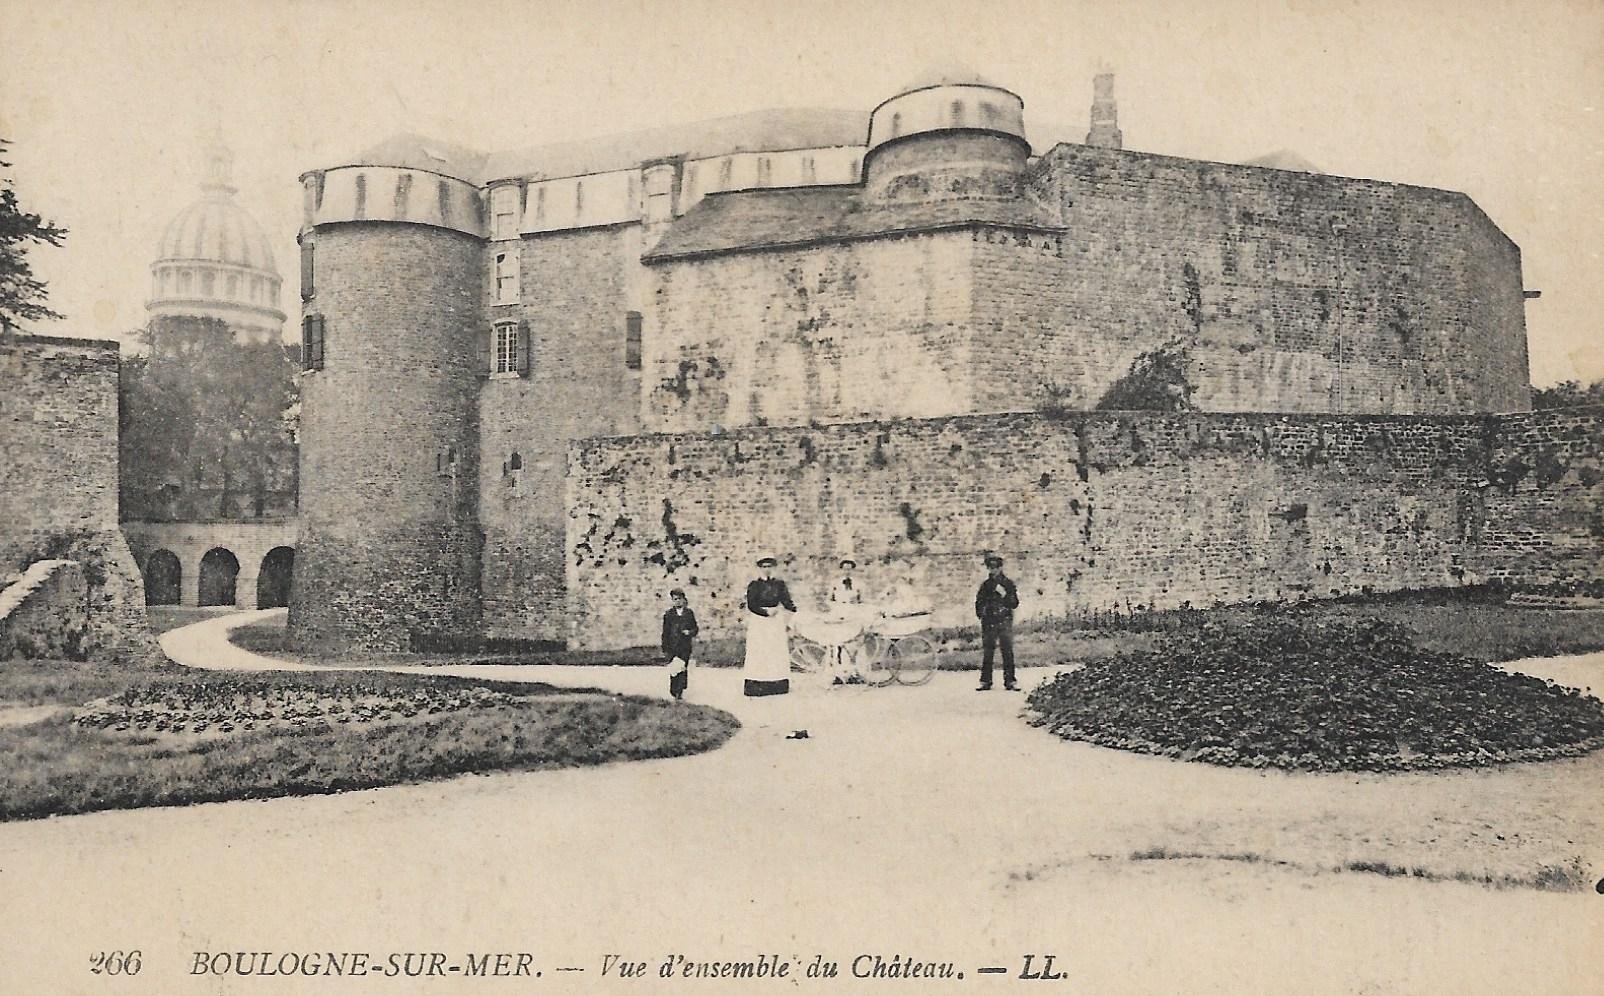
541 388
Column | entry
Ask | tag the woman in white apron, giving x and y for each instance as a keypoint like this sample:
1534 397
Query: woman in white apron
768 651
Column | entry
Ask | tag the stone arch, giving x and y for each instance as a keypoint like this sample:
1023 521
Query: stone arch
219 570
164 578
273 580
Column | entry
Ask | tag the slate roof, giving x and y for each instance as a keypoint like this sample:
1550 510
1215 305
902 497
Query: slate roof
755 131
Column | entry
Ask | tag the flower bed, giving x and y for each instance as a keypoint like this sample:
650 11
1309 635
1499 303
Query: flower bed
213 708
1296 692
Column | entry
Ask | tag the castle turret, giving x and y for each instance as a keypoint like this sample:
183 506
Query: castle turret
950 136
392 261
1105 116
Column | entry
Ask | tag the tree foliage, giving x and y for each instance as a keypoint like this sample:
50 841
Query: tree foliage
205 432
22 295
1568 394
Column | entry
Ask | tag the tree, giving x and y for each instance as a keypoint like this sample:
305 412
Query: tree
204 429
1568 394
22 295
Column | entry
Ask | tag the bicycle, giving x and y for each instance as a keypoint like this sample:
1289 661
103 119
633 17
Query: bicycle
882 651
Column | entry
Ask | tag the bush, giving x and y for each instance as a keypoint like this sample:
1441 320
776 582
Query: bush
1300 692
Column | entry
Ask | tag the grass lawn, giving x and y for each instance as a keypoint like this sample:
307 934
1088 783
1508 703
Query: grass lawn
80 737
1471 623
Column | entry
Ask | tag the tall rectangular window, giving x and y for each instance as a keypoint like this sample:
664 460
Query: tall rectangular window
307 287
632 330
507 348
312 342
504 213
507 277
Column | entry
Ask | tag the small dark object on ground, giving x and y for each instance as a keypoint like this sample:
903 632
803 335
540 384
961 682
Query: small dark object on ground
797 735
1301 692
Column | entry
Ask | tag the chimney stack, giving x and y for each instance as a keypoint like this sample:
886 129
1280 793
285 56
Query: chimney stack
1105 131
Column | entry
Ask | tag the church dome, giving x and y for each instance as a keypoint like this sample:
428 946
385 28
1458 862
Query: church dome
216 230
215 261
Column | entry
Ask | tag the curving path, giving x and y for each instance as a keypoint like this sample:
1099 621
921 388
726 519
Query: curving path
924 822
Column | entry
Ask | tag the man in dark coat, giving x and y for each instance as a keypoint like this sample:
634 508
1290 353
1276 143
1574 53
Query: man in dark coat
679 629
995 603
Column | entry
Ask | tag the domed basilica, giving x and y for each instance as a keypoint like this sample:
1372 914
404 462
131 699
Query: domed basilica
215 261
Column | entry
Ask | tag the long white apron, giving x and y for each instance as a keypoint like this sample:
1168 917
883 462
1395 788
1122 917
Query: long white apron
767 669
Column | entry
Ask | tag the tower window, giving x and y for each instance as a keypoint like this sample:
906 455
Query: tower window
507 277
307 287
506 360
208 283
726 169
510 348
957 112
233 286
185 279
504 212
632 340
809 174
361 196
896 124
312 342
763 171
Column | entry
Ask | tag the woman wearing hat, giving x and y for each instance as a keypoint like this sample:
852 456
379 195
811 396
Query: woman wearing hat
768 652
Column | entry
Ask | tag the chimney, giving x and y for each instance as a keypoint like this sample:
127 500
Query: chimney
1105 131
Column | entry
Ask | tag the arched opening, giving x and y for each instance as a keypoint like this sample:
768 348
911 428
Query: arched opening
218 571
273 581
164 577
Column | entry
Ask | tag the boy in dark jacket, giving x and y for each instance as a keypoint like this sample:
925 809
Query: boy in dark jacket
679 629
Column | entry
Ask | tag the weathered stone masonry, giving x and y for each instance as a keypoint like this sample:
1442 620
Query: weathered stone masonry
58 483
390 540
1093 510
767 280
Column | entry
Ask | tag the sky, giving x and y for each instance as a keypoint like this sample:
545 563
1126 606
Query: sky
105 103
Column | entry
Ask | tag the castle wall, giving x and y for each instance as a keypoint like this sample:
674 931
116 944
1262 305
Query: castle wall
1093 511
851 330
577 290
1288 291
58 481
389 541
1540 514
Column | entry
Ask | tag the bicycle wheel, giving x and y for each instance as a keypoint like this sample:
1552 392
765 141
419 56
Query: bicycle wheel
807 656
913 659
875 665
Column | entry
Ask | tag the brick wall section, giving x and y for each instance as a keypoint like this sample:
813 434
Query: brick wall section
389 539
1292 291
1541 510
1093 511
577 288
58 481
866 329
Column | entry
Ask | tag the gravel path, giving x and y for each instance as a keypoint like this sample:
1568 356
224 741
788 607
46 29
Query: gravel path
927 822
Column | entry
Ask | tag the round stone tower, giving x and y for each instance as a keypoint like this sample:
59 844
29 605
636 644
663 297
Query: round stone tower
950 136
391 265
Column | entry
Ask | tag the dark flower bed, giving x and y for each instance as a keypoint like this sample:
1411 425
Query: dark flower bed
1298 692
220 707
